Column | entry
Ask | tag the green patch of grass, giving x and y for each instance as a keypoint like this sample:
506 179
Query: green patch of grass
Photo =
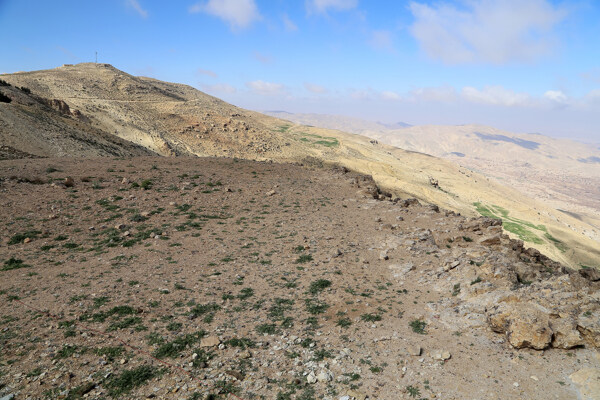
243 343
321 354
245 293
344 322
269 329
370 317
418 326
111 353
315 307
14 263
174 348
20 237
67 351
202 309
304 258
128 380
318 286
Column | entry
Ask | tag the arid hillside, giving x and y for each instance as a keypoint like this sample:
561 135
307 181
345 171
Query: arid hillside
173 119
218 278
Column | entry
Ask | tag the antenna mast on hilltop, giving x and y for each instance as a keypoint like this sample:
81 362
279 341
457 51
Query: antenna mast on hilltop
96 57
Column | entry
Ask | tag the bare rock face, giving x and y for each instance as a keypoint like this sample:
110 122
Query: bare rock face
588 324
524 324
566 335
587 381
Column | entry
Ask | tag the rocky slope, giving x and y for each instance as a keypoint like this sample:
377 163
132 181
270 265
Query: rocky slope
173 119
190 278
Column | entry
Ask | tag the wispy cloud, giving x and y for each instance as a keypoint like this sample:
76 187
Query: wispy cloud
389 95
381 40
488 31
218 88
313 88
289 25
322 6
262 58
136 6
266 88
207 72
495 95
239 14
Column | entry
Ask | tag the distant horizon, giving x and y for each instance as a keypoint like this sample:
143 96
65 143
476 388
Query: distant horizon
379 121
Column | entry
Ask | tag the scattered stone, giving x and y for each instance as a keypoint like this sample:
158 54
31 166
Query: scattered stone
415 351
311 378
270 192
210 341
441 355
325 376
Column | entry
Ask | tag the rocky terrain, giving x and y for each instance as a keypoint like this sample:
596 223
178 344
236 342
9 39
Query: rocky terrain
561 173
173 120
206 278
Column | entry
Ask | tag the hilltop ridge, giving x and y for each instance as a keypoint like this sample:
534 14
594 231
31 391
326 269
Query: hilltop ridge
174 119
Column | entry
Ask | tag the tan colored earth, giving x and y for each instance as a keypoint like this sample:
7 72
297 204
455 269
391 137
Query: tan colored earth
269 281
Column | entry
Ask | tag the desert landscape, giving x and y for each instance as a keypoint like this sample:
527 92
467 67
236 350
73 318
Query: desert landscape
158 242
213 277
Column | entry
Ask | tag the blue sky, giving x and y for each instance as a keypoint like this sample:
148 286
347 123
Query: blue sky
520 65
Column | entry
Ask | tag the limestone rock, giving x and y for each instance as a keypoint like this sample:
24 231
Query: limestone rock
587 381
591 274
325 376
524 324
588 324
566 335
441 355
311 378
210 341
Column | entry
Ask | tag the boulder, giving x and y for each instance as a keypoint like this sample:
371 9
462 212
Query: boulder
588 324
566 335
525 325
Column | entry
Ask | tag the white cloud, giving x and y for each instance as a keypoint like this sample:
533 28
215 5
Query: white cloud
556 96
381 40
445 94
495 95
311 87
207 72
239 14
218 88
265 88
137 7
321 6
289 25
389 95
488 31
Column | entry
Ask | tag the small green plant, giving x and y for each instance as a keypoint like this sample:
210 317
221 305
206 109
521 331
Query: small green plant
456 289
418 326
20 237
304 258
318 286
269 329
344 322
130 379
370 317
13 263
146 184
467 239
476 280
413 391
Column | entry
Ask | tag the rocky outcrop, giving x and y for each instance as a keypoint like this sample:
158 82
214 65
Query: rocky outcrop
525 325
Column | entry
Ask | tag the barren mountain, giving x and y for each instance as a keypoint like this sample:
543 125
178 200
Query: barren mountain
173 119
